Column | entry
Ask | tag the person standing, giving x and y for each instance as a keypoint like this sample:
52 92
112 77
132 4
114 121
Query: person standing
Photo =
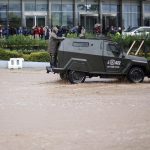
82 34
98 30
53 45
36 32
41 32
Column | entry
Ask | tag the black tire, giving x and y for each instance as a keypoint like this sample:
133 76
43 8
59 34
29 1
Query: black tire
121 79
75 77
136 75
63 76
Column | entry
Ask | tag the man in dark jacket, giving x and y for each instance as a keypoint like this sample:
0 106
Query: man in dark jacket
53 45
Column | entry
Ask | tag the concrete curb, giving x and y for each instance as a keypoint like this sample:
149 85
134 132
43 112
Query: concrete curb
26 64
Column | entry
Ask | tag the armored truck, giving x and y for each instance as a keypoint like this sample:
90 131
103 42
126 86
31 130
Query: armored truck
81 58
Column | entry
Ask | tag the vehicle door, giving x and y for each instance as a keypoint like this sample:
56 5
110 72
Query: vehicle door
113 57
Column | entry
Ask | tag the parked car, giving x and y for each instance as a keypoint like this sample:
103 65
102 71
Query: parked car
144 30
81 58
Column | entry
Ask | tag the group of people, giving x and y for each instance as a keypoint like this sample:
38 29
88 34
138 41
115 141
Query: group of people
7 31
55 35
79 30
41 32
112 30
36 32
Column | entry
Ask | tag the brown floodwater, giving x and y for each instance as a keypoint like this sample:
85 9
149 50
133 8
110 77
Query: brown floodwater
38 111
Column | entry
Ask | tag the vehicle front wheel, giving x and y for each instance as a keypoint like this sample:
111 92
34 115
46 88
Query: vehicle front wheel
136 75
76 77
63 76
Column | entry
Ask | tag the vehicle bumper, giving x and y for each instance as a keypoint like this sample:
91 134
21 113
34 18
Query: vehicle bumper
54 70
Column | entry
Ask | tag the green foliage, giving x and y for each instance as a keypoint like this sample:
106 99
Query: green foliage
126 41
14 20
39 56
20 42
90 35
87 35
34 56
2 43
6 54
71 35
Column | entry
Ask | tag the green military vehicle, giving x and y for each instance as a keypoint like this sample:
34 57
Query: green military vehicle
81 58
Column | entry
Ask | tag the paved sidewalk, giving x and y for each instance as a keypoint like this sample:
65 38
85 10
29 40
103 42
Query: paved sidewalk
26 64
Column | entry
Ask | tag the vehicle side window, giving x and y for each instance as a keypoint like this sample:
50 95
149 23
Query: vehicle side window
112 48
80 44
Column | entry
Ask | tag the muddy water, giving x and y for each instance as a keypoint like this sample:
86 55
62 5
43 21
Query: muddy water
38 111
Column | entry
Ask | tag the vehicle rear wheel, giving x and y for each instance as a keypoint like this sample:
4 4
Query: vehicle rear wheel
136 75
76 77
63 76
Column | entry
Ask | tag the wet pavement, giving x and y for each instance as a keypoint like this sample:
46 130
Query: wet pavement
38 111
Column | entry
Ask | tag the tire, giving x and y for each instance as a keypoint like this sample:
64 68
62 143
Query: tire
63 76
75 77
136 75
121 79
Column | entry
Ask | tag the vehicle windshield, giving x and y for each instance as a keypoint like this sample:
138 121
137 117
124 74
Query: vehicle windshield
130 29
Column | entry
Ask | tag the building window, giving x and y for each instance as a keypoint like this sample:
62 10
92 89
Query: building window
63 7
37 7
14 7
109 8
56 7
3 5
131 15
2 17
62 19
67 7
15 19
146 8
41 7
62 14
146 14
30 7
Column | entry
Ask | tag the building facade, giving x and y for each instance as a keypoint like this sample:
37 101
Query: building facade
118 13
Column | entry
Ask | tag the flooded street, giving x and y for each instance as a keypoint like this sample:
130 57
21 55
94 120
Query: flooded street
38 111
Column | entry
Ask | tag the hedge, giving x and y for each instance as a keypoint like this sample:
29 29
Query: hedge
34 56
39 56
6 54
20 42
